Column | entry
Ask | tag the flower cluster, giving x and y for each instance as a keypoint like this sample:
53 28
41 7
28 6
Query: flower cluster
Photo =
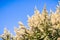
42 26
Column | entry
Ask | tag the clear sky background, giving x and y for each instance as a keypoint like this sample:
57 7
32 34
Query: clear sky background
13 11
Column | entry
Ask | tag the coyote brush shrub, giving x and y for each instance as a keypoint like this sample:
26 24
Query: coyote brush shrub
42 26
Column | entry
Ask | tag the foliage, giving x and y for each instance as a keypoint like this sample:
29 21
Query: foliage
42 26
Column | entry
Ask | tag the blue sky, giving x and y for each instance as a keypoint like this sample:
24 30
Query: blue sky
13 11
